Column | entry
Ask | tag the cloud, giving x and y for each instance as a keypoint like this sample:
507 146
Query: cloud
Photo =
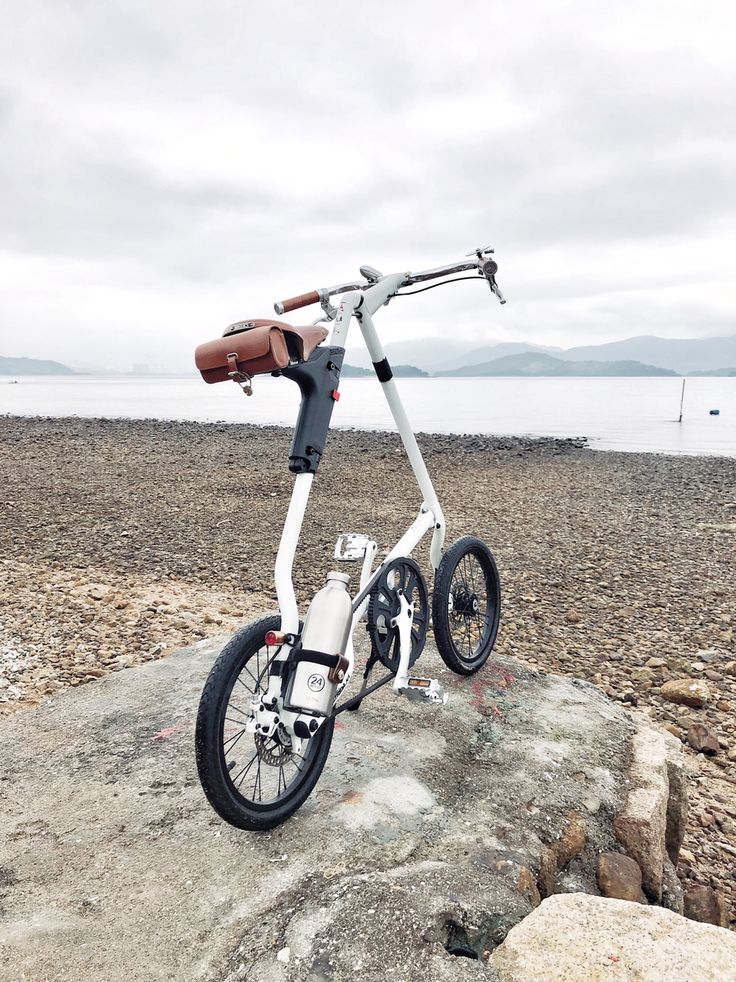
168 168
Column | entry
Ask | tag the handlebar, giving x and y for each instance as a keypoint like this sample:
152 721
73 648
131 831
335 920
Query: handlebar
484 266
315 296
293 303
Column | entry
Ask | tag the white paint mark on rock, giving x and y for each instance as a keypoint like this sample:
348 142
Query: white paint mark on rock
401 795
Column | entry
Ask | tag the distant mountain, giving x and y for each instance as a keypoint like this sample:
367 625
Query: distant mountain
711 356
32 366
400 371
717 373
681 355
490 352
538 364
443 354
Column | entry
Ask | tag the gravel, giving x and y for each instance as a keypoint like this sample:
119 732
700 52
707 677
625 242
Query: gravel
121 540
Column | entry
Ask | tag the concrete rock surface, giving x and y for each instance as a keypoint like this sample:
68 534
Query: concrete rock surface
578 938
431 832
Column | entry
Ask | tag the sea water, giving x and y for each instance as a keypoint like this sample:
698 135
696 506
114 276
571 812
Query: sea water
629 414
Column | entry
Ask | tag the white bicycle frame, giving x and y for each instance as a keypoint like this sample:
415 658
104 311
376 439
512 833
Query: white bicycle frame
430 513
362 302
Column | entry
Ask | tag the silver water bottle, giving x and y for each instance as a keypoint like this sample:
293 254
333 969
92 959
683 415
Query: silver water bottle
326 631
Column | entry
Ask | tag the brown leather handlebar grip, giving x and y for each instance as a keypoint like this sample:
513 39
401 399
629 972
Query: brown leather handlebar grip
304 300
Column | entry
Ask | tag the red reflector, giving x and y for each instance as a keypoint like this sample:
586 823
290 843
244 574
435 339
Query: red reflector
335 395
274 637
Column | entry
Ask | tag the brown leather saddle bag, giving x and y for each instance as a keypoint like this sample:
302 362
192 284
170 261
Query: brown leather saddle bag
256 348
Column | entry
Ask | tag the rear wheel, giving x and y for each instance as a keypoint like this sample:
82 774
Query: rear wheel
466 605
251 781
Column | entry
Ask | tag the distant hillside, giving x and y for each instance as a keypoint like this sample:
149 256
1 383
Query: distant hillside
476 356
440 354
683 356
717 373
32 366
400 371
537 364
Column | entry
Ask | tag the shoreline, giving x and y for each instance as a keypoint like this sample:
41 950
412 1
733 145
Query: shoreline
579 442
495 440
612 415
124 540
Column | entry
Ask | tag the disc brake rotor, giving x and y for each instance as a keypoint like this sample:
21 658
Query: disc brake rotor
275 754
400 575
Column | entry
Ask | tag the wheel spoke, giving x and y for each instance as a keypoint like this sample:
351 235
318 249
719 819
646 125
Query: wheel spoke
242 774
257 781
255 682
238 722
472 574
231 705
235 737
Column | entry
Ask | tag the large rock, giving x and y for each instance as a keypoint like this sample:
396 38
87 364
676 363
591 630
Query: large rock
572 841
686 692
619 877
703 903
677 802
578 938
641 826
703 739
434 830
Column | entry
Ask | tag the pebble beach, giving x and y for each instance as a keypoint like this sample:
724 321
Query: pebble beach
121 541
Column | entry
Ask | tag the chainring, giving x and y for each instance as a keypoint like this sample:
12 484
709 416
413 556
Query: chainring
384 605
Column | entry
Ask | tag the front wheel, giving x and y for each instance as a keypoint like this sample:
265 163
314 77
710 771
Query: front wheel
253 782
466 605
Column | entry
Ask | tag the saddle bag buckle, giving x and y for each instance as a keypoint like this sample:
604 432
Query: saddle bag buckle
242 378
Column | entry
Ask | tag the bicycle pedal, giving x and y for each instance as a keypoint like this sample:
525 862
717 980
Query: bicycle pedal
351 546
423 690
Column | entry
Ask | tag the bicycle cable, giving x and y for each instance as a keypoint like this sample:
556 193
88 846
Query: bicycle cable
458 279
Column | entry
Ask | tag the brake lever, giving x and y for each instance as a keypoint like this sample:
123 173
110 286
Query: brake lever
489 269
496 290
329 309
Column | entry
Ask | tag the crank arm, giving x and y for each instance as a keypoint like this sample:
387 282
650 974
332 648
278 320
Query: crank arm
403 621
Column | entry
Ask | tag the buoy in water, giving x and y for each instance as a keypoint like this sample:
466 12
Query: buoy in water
714 412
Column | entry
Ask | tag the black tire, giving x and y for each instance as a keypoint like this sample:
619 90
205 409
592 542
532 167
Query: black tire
466 605
227 796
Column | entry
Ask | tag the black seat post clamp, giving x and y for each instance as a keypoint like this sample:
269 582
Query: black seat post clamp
318 379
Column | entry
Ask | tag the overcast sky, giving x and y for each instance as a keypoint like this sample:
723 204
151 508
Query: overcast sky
167 168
